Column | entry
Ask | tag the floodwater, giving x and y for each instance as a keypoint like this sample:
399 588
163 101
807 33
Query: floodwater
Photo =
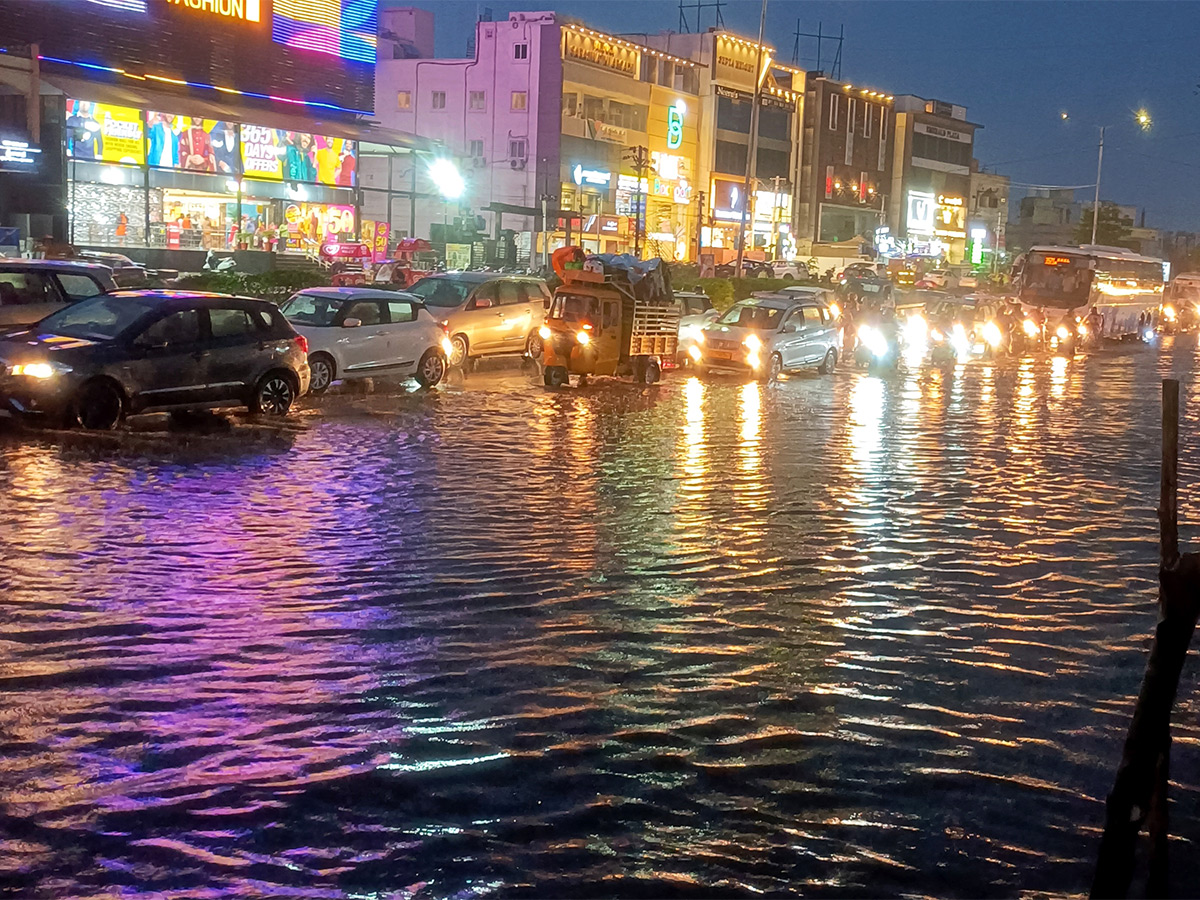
837 637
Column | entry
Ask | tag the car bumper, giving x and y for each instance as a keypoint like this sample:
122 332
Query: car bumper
36 398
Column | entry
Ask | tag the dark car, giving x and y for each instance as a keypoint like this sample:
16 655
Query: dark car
125 272
31 289
753 268
128 352
861 283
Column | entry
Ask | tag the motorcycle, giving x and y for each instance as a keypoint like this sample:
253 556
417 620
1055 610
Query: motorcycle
877 346
214 263
949 346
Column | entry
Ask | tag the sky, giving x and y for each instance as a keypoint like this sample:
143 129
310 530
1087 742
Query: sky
1016 67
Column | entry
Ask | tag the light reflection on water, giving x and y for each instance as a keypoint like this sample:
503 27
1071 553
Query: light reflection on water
852 635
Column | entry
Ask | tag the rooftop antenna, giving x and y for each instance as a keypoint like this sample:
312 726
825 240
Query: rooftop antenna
699 6
821 38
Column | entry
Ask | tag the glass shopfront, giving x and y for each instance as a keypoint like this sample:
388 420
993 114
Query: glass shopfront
149 178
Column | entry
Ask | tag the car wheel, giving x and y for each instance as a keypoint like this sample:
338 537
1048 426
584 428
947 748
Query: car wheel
534 346
431 368
458 350
788 276
274 395
652 372
829 363
774 369
555 376
99 406
323 370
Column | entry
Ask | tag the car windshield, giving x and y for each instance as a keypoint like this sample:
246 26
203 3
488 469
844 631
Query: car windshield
447 292
575 308
312 309
98 319
762 318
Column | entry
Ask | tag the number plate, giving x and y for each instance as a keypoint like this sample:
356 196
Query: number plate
870 288
720 354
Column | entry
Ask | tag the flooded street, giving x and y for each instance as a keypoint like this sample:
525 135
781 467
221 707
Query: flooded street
839 636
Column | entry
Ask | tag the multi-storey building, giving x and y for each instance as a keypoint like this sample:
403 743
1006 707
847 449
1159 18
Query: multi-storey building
847 162
987 217
931 177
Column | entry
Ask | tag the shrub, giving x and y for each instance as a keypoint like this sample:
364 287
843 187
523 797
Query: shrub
275 286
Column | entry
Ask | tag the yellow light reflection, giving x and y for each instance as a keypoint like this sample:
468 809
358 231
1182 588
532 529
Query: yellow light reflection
695 465
866 411
1058 377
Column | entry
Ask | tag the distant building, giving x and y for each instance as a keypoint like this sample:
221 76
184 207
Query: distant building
846 174
931 177
987 217
1046 216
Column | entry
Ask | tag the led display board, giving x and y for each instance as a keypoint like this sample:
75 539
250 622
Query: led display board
345 28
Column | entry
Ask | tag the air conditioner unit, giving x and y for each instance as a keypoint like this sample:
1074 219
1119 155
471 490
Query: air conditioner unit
517 163
478 162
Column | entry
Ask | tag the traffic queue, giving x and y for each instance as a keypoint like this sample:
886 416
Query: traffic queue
77 351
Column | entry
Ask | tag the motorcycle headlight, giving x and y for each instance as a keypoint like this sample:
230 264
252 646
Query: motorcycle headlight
1062 332
992 334
1082 329
694 352
39 370
752 343
1169 313
1031 328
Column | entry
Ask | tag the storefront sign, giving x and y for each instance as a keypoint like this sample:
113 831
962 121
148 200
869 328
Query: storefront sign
674 126
318 222
736 60
599 52
105 133
948 134
951 218
748 97
592 177
728 199
920 212
602 131
609 224
243 10
630 184
298 156
458 256
192 144
18 156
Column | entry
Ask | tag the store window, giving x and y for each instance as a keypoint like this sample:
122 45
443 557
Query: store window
833 112
570 104
520 51
404 100
520 99
478 100
438 100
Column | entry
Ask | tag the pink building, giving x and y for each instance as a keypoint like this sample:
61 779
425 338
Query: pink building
498 115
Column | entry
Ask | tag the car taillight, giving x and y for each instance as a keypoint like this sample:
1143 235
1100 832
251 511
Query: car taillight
302 343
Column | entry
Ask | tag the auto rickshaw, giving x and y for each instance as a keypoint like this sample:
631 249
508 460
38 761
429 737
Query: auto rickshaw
601 322
413 260
347 262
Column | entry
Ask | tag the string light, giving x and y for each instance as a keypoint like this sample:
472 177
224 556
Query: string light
640 48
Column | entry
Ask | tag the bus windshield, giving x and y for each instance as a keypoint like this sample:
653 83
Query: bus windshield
1061 280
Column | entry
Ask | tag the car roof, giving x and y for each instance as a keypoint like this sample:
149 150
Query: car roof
481 277
772 301
65 265
179 298
350 292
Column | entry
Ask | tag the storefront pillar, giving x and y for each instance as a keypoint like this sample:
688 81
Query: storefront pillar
146 204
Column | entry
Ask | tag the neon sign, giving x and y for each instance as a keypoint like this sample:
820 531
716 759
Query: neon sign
1057 261
245 10
674 126
590 176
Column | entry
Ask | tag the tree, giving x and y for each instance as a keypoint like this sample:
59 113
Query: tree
1114 230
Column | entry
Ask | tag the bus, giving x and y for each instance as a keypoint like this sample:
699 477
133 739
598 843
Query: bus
1125 288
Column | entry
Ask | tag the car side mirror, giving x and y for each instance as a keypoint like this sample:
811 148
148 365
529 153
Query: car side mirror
351 323
483 303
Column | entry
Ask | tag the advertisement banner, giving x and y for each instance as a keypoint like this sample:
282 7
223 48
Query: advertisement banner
314 223
192 144
375 235
277 155
105 133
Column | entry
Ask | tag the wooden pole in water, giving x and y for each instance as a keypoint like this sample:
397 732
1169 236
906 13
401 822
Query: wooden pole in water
1139 791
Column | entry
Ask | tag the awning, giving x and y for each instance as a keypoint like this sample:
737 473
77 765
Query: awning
231 107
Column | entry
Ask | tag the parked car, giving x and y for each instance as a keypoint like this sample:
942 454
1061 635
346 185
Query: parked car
125 272
771 334
487 313
942 279
752 268
31 289
790 269
98 360
356 332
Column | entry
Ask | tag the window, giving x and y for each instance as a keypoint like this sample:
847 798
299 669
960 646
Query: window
610 317
99 318
438 100
485 292
230 322
404 100
868 118
177 329
833 112
475 148
311 309
883 124
366 311
516 149
401 311
520 51
76 287
851 115
795 321
478 100
18 288
570 104
509 293
519 99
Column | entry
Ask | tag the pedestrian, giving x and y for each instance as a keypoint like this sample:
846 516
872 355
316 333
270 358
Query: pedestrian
122 227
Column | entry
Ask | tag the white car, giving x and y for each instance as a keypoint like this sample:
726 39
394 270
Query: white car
790 269
356 332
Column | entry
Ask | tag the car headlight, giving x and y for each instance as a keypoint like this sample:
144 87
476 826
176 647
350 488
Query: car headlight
1169 313
584 338
873 340
1063 332
1031 328
992 334
936 335
544 332
447 347
752 343
835 310
693 333
39 369
694 352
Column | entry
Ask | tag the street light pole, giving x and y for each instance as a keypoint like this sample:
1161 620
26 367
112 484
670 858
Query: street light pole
752 152
1096 201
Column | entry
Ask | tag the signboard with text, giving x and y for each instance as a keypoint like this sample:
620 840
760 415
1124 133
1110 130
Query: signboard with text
599 52
192 144
297 156
104 133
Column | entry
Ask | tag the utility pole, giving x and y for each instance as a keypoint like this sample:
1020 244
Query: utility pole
640 157
752 155
699 225
776 206
1096 201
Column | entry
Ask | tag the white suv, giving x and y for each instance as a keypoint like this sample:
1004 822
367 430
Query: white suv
790 269
356 332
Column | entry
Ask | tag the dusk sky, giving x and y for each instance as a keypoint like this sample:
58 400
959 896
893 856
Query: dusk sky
1015 66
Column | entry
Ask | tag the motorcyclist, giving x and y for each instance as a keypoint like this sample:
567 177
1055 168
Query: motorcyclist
1095 326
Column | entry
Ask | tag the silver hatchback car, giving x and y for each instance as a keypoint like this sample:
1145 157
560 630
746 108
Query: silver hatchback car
771 334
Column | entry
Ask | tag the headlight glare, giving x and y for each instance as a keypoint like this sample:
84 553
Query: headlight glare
752 343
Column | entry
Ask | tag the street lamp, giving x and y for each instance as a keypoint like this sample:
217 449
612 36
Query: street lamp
1145 122
446 178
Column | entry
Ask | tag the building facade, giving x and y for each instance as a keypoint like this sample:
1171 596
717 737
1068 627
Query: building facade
931 178
847 163
987 218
